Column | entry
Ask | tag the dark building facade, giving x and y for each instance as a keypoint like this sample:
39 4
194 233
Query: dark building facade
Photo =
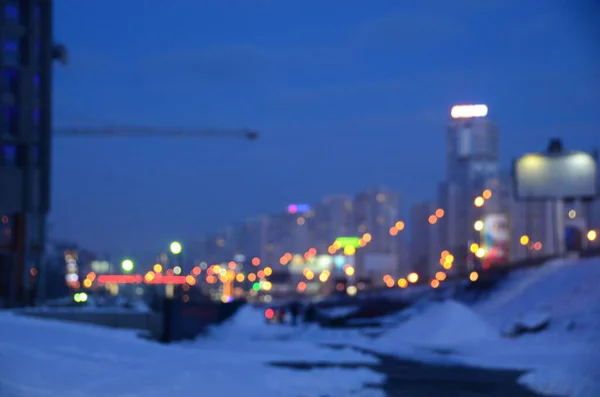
25 142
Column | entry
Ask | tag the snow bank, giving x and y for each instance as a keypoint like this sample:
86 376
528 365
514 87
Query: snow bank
440 325
50 358
248 329
564 358
559 383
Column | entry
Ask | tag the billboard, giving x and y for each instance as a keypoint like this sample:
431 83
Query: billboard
495 238
319 263
573 175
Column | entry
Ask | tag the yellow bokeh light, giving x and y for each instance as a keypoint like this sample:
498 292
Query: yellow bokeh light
149 277
487 194
239 277
268 271
349 250
349 271
399 225
479 201
412 277
524 240
158 268
592 235
480 253
367 237
473 276
474 247
478 226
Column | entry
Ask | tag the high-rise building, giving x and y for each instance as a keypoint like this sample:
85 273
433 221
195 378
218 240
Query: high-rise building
334 218
471 163
25 138
377 211
425 247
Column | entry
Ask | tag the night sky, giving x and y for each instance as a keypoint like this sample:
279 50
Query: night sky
346 94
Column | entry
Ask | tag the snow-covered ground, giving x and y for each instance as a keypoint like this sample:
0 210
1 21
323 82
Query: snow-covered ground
48 358
41 358
563 359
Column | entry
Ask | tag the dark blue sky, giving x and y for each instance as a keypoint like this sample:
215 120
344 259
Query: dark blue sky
346 94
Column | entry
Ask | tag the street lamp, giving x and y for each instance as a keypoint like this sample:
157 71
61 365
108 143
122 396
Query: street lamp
175 248
127 265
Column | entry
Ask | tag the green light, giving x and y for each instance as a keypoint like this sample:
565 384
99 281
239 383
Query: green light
127 265
348 241
80 297
175 248
256 286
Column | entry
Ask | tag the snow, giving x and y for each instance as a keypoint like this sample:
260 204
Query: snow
440 325
563 359
249 325
50 358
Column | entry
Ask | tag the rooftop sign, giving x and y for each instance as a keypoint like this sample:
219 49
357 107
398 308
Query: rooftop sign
468 111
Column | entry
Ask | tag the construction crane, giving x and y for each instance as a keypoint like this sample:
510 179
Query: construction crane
146 131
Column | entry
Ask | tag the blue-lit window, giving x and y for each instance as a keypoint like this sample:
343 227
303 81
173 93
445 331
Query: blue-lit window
11 11
11 53
8 154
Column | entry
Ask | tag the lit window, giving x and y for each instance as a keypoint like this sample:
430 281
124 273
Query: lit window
8 155
11 11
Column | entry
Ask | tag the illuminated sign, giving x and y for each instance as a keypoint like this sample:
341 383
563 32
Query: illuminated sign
468 111
348 241
543 177
298 208
495 238
319 263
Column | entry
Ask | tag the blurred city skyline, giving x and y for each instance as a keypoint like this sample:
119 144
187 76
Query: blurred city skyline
344 98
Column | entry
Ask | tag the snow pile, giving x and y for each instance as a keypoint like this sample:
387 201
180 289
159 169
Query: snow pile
563 358
439 325
248 328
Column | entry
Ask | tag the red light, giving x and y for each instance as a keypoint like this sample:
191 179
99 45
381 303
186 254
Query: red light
168 280
137 278
119 279
269 313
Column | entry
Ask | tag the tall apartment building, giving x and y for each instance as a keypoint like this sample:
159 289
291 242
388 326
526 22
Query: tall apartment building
471 163
25 139
376 211
425 244
334 218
